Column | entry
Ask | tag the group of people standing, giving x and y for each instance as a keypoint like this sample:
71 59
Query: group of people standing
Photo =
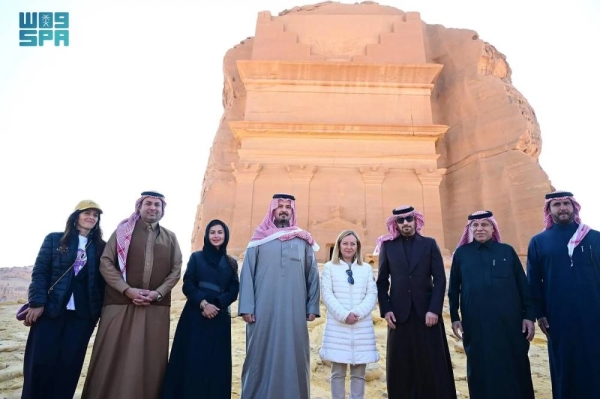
494 304
126 284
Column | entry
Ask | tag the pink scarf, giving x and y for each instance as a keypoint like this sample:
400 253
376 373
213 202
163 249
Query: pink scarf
582 229
467 236
125 229
267 231
392 226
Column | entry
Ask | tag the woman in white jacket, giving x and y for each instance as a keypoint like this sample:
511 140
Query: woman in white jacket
349 292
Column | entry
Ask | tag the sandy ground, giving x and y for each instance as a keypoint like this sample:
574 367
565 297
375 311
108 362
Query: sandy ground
13 336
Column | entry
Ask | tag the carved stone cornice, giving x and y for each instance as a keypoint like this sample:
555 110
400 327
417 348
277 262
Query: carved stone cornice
347 74
278 130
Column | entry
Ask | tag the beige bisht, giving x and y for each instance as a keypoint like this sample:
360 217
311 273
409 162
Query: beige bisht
130 352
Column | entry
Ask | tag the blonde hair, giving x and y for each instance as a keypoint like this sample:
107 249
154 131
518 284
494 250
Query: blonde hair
335 257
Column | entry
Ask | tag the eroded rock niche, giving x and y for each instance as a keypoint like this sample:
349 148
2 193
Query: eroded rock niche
358 108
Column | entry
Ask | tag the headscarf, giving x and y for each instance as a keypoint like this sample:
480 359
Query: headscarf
125 228
467 236
267 231
582 229
212 254
561 196
400 212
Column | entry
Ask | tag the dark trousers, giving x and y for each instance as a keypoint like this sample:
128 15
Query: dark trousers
418 361
54 356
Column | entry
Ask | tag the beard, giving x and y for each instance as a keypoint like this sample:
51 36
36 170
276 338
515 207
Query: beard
558 220
282 222
407 232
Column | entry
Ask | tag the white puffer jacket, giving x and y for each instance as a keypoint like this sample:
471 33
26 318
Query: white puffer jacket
344 343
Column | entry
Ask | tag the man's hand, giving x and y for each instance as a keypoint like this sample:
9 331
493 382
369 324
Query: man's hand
391 320
457 329
351 319
528 327
31 315
138 297
249 318
152 295
431 319
310 317
210 311
544 326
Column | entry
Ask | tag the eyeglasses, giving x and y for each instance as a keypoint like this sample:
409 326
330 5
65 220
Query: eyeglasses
350 278
408 219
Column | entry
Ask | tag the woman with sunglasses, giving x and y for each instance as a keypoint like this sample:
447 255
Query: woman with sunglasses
65 300
349 292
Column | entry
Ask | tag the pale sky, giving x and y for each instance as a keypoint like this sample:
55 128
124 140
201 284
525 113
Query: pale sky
135 101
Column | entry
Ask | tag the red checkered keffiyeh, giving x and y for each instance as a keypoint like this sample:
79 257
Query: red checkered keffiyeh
392 226
267 231
582 229
467 236
125 228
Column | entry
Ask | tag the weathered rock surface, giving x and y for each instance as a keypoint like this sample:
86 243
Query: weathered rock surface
491 149
487 157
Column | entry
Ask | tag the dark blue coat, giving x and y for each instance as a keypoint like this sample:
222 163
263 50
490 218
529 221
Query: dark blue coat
568 295
51 263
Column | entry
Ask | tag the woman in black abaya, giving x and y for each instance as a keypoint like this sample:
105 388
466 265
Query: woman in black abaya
200 362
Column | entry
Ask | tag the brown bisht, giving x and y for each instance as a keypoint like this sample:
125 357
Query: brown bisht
131 349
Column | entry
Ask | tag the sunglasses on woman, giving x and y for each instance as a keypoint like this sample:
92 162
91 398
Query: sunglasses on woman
350 278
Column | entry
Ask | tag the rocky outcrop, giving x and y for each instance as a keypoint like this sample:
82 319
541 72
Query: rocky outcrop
492 146
489 153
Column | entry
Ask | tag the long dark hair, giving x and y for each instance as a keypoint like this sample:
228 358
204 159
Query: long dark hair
95 235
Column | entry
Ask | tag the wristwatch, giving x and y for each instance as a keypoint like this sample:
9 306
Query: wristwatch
158 297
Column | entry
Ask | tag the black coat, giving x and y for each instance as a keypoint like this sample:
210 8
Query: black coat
51 263
488 283
421 284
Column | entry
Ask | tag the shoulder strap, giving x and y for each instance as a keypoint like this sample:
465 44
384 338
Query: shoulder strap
68 270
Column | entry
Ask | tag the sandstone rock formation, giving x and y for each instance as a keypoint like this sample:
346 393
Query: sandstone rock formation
358 108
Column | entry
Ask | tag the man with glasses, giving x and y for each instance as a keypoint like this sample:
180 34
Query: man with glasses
418 360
